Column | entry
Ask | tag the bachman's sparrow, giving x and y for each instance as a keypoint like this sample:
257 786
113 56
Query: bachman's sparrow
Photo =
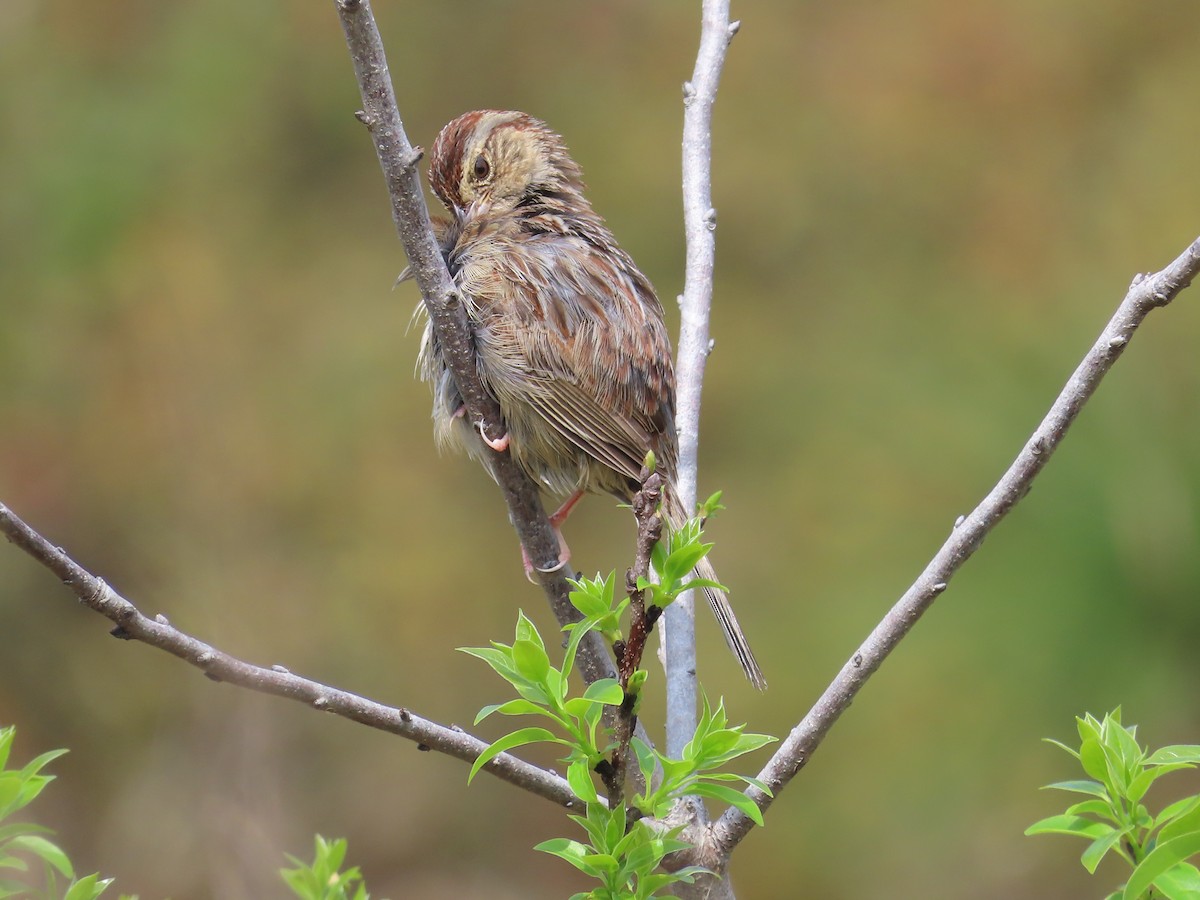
568 333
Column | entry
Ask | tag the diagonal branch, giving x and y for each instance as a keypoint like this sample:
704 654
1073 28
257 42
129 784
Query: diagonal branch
1145 294
699 219
399 161
132 624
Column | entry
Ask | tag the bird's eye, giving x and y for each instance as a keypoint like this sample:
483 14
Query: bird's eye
482 168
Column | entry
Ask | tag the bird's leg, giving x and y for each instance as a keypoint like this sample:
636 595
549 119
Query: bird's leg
500 444
564 556
560 515
564 552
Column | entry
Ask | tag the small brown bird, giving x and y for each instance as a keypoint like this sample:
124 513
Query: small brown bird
569 334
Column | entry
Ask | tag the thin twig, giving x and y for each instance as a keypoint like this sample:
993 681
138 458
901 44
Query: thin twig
398 159
1145 294
132 624
645 504
700 219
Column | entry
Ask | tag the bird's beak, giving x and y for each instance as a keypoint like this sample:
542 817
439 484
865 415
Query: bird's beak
476 209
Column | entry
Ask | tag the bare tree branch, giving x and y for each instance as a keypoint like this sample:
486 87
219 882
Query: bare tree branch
679 619
1145 294
700 219
399 160
132 624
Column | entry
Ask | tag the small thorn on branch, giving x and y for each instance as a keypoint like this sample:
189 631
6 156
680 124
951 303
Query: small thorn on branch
366 118
411 159
734 27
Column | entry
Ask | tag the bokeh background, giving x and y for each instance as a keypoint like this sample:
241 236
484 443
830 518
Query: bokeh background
927 213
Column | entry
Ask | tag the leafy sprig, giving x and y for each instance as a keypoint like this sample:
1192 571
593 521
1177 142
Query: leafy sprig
625 844
1114 818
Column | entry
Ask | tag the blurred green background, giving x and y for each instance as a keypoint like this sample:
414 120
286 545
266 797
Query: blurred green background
927 213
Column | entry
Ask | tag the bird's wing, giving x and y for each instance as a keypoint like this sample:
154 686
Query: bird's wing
593 358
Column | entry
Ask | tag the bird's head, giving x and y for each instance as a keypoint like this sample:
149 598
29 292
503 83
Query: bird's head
492 161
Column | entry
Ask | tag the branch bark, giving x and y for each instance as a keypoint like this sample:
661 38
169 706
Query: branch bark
700 220
132 624
1145 294
399 159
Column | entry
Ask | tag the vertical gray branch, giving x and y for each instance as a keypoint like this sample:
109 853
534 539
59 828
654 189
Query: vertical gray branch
699 220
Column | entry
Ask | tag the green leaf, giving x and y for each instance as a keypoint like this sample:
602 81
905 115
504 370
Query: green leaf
1179 817
605 690
1175 753
45 850
1179 883
36 764
1141 783
1189 823
1098 848
499 658
517 707
1160 860
579 630
527 631
1091 808
10 787
683 560
578 855
7 832
511 741
1062 746
579 777
1076 825
6 739
1088 727
87 888
14 862
531 660
1094 761
1095 788
732 797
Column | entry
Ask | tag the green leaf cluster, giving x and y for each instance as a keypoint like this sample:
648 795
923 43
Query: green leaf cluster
712 746
323 878
674 558
1114 818
22 842
622 859
543 692
624 849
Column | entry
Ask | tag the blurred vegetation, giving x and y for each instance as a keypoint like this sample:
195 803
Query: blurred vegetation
927 212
